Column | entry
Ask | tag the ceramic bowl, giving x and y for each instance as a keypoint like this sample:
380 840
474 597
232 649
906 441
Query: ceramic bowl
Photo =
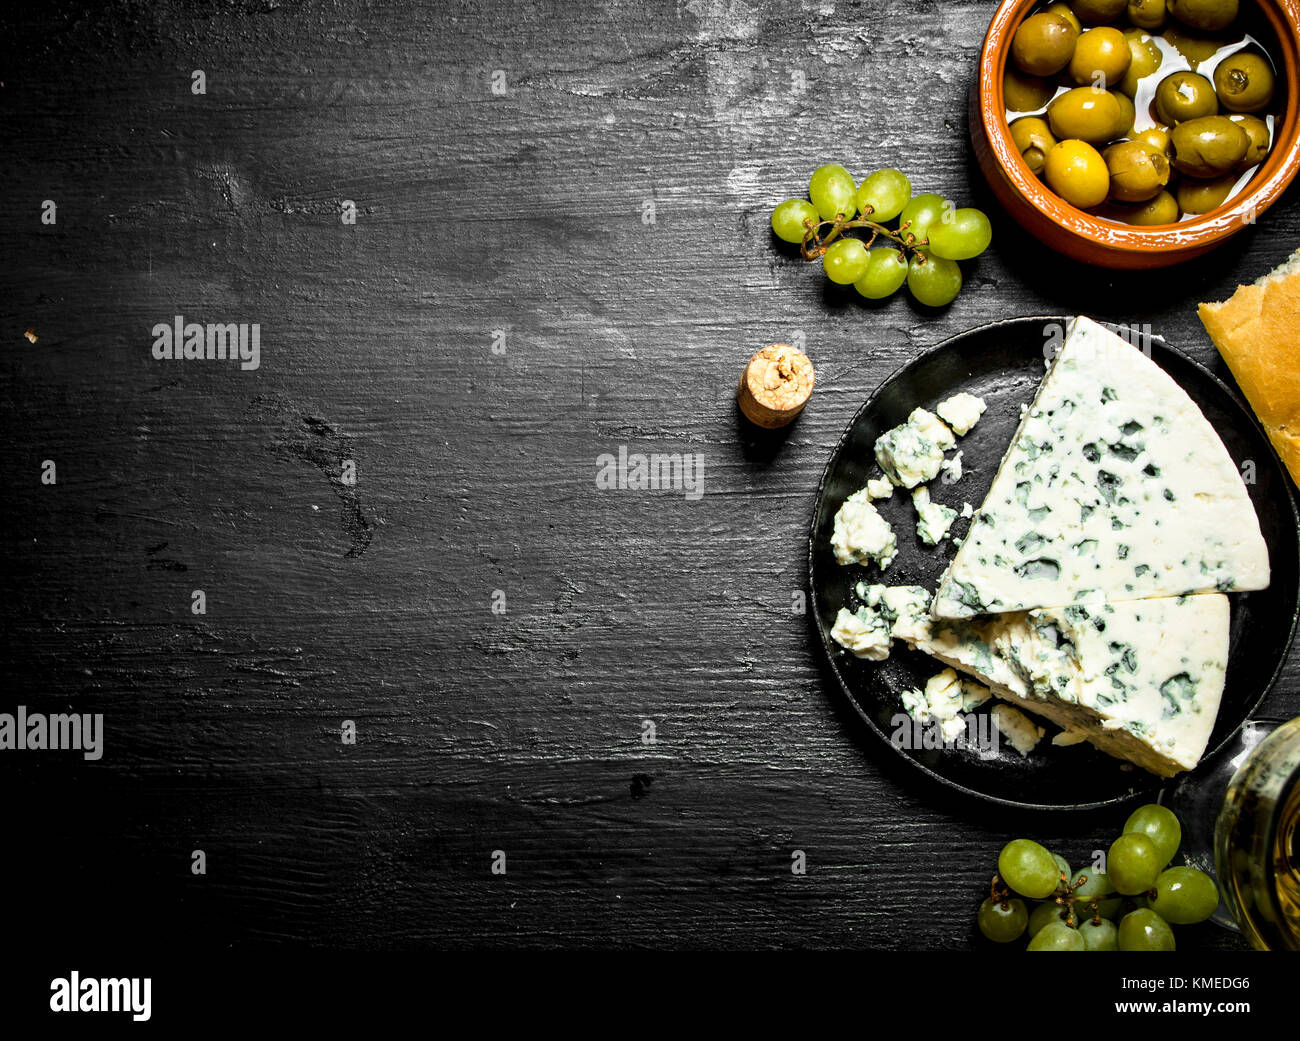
1092 239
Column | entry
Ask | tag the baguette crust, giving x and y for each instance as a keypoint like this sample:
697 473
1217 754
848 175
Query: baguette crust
1257 331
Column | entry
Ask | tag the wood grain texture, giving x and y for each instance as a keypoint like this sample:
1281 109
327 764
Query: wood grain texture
523 212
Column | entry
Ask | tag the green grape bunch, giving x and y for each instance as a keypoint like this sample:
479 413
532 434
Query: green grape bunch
921 251
1131 905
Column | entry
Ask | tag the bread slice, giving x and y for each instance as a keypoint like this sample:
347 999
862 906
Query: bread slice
1257 331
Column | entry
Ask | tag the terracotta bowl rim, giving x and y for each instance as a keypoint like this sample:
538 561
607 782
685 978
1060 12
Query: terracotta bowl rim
1269 182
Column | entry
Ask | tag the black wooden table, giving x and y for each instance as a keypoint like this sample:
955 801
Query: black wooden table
485 244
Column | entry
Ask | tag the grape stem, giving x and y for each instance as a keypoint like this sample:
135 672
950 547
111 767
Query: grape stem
999 893
814 243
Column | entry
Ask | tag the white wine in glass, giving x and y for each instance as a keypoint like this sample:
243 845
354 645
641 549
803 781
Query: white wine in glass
1257 842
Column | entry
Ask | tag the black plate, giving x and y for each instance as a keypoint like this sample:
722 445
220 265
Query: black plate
1003 363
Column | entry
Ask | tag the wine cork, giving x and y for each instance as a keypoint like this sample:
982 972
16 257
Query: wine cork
775 386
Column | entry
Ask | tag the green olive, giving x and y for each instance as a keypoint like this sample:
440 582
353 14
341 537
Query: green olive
1208 16
1147 14
1043 44
1244 82
1128 115
1034 138
1162 209
1065 11
1077 173
1137 171
1207 147
1199 197
1260 139
1101 57
1085 113
1098 12
1023 93
1145 58
1185 95
1155 137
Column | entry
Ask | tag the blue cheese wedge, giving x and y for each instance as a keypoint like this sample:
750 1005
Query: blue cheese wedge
971 646
912 453
933 519
961 412
861 535
1141 680
1115 487
1023 733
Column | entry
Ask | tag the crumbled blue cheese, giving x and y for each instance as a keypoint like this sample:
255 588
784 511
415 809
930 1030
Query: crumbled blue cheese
861 535
961 412
1115 487
1017 728
973 694
880 487
946 697
967 510
933 519
912 453
915 705
864 633
951 469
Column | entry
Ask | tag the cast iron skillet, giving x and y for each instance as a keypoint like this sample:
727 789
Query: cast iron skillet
1003 363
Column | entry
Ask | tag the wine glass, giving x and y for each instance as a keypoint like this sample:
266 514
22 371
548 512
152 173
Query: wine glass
1240 812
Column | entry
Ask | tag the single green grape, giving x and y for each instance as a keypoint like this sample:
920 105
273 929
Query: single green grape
833 191
886 192
960 234
1160 825
1023 864
1144 930
1093 892
788 219
1044 914
886 272
1133 863
936 282
922 211
1100 935
1057 936
1003 922
845 261
1185 896
1090 884
1062 865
